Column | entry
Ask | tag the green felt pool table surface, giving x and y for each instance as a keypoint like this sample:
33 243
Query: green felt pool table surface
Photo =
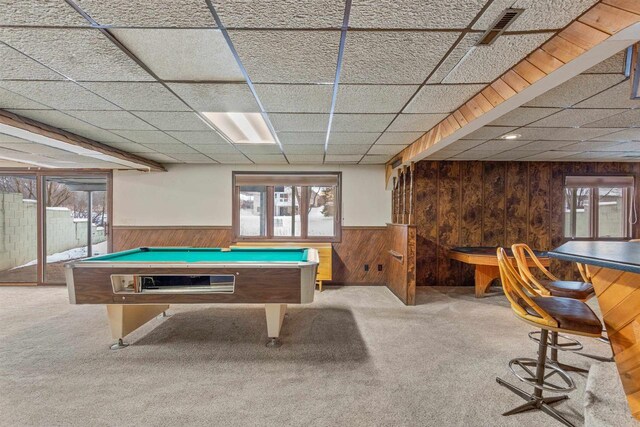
189 255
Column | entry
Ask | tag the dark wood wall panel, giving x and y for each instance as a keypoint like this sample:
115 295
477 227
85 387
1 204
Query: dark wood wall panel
448 220
359 246
493 203
493 213
426 200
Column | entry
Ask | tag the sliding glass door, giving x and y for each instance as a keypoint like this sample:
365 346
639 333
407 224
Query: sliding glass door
18 228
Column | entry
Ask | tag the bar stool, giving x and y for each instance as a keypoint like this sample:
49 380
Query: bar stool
550 314
552 286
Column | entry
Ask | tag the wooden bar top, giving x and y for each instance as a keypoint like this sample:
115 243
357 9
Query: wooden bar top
624 256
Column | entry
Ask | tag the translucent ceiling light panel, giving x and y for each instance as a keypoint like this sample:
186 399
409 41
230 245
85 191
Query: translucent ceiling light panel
242 128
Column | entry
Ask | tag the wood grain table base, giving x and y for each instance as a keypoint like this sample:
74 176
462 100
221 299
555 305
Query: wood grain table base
618 294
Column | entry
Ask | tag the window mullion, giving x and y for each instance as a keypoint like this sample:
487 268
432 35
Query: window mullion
270 212
595 194
304 212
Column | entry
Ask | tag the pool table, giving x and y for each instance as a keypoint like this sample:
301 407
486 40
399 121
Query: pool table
139 284
485 260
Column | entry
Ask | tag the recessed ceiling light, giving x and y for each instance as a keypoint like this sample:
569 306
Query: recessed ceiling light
242 128
511 136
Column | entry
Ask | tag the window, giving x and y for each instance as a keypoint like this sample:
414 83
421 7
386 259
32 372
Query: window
286 206
598 207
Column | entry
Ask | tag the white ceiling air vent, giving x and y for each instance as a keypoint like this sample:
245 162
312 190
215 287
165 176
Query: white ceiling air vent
499 26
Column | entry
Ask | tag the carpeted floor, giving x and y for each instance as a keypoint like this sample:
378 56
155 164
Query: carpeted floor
355 357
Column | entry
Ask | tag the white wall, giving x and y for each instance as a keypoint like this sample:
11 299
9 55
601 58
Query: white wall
200 195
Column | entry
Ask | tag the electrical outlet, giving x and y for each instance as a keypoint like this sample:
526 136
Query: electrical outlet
379 267
366 267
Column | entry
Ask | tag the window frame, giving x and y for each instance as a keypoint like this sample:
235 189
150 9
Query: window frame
594 207
302 206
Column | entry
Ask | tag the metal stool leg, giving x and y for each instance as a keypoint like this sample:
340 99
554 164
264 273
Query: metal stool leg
554 356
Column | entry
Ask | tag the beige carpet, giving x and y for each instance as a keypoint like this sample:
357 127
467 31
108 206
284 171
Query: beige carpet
354 357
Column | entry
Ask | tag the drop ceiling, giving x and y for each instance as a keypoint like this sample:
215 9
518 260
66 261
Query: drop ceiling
136 75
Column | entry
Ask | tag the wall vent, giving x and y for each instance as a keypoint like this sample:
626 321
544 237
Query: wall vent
503 21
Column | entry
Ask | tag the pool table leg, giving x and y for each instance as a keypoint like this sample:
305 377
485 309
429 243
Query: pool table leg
484 276
275 315
124 319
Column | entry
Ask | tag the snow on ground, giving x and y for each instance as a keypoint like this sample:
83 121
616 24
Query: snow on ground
75 253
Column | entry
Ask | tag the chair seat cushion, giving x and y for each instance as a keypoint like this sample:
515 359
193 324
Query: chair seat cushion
572 315
569 289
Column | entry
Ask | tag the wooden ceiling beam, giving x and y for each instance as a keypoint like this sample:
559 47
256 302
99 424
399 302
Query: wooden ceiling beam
63 138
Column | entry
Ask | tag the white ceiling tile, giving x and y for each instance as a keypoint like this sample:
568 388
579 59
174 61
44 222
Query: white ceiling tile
475 155
342 149
305 158
10 100
508 155
302 138
268 56
432 14
63 95
577 89
115 120
615 97
217 97
612 65
625 118
164 120
416 122
142 13
54 118
463 144
523 116
455 56
549 156
268 159
593 146
304 149
594 156
402 138
41 12
360 122
32 148
353 138
11 139
170 149
15 65
232 158
250 149
131 147
562 134
280 14
213 61
500 145
193 158
538 14
81 54
393 57
579 117
633 146
442 98
212 150
138 96
373 98
199 137
484 64
375 159
292 98
623 135
99 135
159 157
491 132
146 136
545 145
342 158
385 149
285 122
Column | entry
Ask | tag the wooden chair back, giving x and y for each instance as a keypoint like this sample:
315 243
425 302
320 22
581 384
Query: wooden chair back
522 251
520 293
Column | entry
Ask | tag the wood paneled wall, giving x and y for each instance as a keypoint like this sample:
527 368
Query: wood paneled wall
492 204
358 246
401 269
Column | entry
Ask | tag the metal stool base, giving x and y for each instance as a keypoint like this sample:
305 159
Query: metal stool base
551 369
535 403
120 344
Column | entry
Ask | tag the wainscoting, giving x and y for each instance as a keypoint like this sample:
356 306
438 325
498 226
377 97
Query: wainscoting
492 204
359 246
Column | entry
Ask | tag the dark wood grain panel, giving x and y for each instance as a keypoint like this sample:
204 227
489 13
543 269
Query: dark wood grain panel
517 202
360 246
493 213
539 215
471 213
204 237
448 220
401 270
426 199
557 196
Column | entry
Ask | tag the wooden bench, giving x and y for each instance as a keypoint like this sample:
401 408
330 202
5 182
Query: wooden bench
325 251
